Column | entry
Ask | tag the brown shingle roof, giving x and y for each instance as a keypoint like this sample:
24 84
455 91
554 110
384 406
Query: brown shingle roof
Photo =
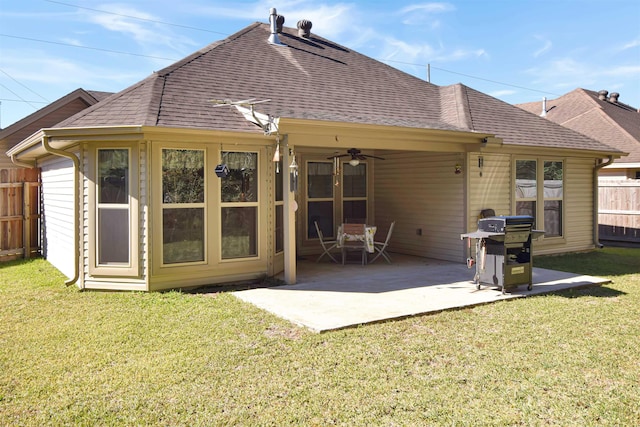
312 78
49 115
617 125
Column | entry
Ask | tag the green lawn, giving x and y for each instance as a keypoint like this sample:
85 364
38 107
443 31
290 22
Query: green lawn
108 358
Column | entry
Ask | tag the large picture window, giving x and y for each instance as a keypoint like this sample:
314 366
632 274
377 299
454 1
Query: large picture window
239 205
183 206
541 180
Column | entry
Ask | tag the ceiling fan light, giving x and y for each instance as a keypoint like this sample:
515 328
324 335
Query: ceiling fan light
354 162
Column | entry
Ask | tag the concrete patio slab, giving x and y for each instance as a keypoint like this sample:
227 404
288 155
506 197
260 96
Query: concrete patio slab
329 296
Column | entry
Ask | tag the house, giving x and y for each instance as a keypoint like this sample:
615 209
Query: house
603 117
45 117
215 168
19 183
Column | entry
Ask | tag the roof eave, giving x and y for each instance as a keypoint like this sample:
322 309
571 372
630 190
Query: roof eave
319 133
31 148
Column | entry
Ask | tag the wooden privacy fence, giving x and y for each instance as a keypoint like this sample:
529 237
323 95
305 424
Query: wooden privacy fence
619 211
19 213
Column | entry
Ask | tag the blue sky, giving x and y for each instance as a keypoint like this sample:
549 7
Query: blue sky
515 50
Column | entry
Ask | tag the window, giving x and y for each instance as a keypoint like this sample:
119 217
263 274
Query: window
183 206
320 198
541 180
354 193
553 194
279 208
526 187
113 208
239 205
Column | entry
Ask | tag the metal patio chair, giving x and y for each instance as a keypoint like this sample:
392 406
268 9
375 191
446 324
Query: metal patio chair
381 247
358 245
327 245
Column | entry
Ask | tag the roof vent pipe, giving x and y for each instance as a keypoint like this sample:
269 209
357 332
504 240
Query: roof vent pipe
273 37
544 107
304 28
602 95
613 98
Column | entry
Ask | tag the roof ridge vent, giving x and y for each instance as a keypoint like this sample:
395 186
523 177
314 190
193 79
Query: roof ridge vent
273 21
304 28
613 97
602 95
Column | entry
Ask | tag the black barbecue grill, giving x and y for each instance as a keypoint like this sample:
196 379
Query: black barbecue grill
503 251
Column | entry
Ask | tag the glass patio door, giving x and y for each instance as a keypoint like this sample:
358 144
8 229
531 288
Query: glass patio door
330 197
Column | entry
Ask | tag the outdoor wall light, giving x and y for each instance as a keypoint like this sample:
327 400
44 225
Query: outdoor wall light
458 169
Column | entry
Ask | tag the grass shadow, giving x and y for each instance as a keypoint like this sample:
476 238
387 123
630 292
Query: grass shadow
609 262
598 291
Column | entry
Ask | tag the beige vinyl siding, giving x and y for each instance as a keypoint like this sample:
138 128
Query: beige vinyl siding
58 213
492 190
421 191
578 210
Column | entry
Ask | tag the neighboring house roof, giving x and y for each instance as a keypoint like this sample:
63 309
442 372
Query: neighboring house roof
312 78
48 116
594 114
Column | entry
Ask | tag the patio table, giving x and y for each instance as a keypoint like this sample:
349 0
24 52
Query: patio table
369 233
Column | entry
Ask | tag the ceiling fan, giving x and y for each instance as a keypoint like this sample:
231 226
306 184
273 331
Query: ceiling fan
356 156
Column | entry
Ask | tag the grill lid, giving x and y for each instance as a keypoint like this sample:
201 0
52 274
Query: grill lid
502 224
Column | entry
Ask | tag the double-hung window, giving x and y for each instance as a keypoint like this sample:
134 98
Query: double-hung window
540 193
115 221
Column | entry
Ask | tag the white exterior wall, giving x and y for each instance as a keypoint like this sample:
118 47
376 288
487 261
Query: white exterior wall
58 213
421 191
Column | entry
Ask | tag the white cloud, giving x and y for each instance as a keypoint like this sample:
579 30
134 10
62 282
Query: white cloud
631 44
545 47
329 20
630 71
139 26
61 71
423 14
500 93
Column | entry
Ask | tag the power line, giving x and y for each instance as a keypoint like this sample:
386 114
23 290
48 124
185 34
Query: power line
217 32
21 98
472 77
174 59
136 17
225 34
23 85
87 47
